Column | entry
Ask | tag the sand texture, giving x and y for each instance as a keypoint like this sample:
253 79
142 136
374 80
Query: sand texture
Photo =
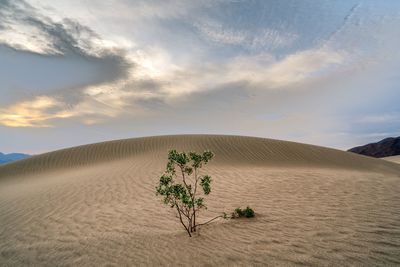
95 205
395 159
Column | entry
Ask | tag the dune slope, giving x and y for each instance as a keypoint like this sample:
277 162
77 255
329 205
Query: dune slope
395 159
230 150
95 205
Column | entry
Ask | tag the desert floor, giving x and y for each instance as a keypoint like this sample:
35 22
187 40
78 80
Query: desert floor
96 205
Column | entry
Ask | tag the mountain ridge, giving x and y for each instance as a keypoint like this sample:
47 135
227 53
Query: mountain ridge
385 148
7 158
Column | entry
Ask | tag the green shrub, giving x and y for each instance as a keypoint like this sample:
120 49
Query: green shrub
248 212
179 183
240 213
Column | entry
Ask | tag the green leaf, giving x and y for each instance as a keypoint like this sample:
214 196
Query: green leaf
205 183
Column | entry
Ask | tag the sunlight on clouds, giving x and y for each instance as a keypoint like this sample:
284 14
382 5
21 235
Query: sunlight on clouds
28 38
261 70
298 67
291 70
155 64
152 62
110 100
257 71
175 79
100 102
106 100
23 27
34 113
96 104
115 42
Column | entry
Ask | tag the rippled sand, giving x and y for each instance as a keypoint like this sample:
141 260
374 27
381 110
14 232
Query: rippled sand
95 205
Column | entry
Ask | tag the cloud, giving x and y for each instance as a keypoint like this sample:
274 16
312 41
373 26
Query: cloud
96 104
34 113
300 66
137 80
264 38
265 71
24 28
110 101
260 71
156 78
17 32
215 32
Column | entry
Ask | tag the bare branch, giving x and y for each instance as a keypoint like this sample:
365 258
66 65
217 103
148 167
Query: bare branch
220 216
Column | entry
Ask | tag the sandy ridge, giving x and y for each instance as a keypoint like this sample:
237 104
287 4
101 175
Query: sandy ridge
229 150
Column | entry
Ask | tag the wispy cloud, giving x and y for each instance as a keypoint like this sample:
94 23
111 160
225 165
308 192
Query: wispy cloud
264 71
260 39
300 66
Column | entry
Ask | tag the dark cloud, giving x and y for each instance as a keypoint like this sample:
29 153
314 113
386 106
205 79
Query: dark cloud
68 38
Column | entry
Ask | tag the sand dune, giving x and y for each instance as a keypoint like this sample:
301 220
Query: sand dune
395 159
95 205
230 150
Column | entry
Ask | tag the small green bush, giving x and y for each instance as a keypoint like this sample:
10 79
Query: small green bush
248 212
179 183
240 213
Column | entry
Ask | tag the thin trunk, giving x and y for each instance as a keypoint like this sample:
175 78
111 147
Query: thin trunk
184 225
192 226
194 220
193 198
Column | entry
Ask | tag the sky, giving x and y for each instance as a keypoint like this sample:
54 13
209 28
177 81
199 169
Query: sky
75 72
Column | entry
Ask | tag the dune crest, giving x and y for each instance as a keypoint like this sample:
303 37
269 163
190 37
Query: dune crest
235 150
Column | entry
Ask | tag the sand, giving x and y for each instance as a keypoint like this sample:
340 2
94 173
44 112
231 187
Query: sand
95 205
395 159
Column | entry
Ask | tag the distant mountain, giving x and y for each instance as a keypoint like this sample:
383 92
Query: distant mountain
385 148
6 158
